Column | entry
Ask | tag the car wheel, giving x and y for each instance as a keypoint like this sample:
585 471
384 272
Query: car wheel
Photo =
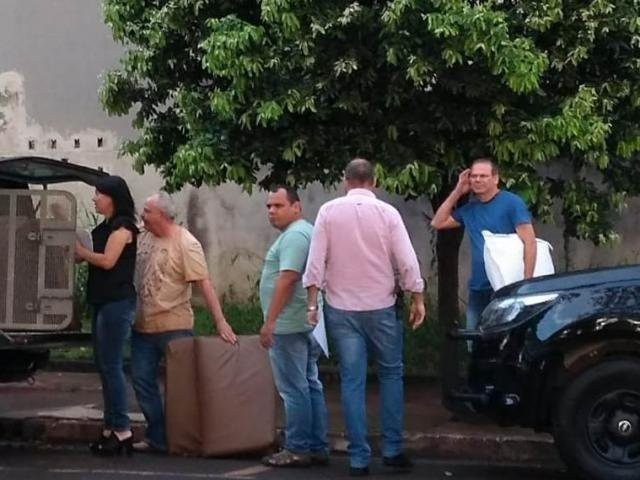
597 421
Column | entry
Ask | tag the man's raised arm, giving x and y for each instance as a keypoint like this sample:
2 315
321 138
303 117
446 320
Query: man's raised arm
443 218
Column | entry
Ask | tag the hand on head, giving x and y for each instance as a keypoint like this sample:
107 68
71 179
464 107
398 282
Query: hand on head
464 183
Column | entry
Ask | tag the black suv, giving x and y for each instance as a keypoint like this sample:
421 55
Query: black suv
38 226
561 354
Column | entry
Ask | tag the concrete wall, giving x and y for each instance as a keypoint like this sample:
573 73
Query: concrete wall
51 59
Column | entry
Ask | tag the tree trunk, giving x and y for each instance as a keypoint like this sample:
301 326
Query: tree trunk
447 249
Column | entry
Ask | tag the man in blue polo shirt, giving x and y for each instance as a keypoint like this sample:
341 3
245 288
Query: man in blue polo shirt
492 209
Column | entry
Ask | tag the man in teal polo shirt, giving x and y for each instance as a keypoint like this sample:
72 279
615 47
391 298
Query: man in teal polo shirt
292 348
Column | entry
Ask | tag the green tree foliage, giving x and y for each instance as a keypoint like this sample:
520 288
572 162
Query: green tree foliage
289 90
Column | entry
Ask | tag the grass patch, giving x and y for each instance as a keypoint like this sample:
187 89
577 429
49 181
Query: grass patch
421 348
72 354
244 318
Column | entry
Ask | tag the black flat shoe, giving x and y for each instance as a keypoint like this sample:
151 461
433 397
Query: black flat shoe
114 446
399 462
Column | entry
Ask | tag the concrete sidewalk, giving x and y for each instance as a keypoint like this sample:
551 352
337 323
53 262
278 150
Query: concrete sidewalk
66 407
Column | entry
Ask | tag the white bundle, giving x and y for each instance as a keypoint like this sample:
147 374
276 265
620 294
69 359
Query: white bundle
504 258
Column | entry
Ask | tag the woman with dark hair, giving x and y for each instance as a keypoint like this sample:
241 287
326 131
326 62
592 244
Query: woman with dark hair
111 294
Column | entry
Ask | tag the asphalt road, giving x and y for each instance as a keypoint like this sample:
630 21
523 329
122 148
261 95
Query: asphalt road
18 462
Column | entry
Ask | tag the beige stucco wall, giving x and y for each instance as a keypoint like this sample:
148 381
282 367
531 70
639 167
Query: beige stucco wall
48 90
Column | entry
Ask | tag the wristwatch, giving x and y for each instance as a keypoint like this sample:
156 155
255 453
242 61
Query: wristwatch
312 309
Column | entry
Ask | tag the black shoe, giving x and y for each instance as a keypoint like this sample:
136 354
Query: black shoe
398 462
114 446
358 471
95 446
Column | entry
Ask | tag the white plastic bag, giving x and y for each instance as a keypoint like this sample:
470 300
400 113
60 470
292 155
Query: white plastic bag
504 262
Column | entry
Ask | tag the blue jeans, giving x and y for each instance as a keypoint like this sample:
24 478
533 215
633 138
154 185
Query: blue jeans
294 360
147 349
476 303
355 335
111 327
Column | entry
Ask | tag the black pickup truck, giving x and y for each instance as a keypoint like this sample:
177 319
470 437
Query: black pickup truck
561 354
38 227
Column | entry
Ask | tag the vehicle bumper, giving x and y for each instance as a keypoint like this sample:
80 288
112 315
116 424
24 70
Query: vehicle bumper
42 340
497 379
23 353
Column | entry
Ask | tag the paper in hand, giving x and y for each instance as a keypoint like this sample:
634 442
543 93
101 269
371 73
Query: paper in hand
320 333
84 237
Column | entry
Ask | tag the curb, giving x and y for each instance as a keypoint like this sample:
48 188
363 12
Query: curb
436 445
328 373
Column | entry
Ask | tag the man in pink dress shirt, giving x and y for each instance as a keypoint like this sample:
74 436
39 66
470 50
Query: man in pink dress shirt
360 252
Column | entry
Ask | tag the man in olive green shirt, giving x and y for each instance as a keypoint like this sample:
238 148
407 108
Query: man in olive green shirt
292 348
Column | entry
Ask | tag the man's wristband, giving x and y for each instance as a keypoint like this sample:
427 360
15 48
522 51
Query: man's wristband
312 309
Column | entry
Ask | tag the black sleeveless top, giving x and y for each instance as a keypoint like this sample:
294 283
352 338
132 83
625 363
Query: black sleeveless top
116 284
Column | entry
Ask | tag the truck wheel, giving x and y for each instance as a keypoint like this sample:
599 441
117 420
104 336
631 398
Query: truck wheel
596 423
